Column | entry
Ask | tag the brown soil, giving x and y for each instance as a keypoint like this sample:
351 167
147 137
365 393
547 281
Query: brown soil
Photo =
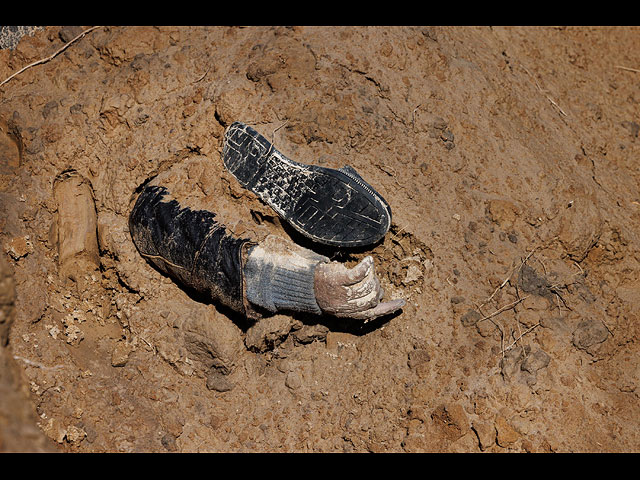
509 157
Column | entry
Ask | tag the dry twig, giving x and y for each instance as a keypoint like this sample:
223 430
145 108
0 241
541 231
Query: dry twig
544 93
413 117
506 280
628 68
273 136
201 77
54 54
504 308
394 236
517 339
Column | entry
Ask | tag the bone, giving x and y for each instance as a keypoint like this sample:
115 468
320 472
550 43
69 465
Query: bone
78 252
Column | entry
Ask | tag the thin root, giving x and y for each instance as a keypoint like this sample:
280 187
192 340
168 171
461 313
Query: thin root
520 337
628 68
544 93
506 280
503 308
44 60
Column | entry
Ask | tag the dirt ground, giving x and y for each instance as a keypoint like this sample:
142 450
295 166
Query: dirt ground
509 157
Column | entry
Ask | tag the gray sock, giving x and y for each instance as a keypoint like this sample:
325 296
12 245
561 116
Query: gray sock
280 276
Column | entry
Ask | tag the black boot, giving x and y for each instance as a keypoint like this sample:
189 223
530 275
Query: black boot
190 246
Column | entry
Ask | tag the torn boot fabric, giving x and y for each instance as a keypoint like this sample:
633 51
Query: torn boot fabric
329 206
190 246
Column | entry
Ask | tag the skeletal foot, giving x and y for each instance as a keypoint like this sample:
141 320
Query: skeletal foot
352 292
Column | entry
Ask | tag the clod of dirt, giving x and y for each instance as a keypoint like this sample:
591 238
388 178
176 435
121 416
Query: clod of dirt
293 380
19 247
120 354
510 364
408 258
581 227
589 332
418 357
503 212
557 324
218 382
530 282
522 364
452 419
211 341
486 434
169 442
535 361
268 333
470 318
310 333
506 435
73 333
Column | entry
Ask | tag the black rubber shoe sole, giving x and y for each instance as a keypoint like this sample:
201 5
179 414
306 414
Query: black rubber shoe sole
329 206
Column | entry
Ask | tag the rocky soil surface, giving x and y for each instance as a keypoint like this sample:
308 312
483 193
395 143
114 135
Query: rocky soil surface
509 157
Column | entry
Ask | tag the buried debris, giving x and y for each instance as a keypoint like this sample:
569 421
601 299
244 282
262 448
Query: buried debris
76 226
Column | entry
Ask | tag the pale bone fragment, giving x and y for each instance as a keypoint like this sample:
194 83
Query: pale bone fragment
77 240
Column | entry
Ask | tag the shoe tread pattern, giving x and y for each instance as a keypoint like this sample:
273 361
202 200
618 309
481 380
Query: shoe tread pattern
324 204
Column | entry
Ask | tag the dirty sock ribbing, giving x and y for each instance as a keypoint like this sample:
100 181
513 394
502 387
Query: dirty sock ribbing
276 284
